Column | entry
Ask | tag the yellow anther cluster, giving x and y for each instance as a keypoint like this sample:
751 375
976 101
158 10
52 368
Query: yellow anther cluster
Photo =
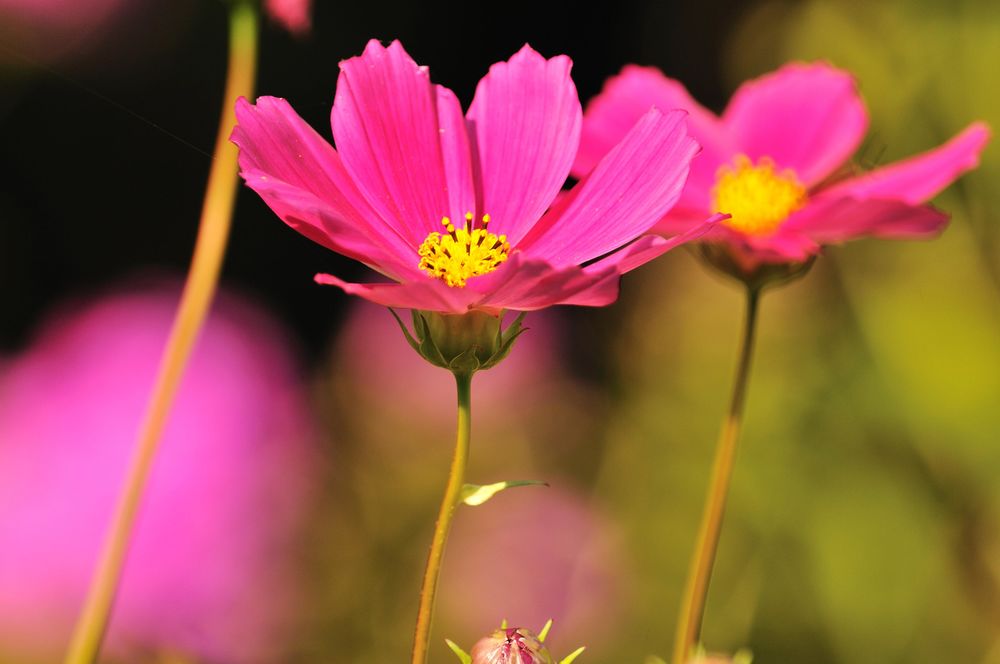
757 197
462 253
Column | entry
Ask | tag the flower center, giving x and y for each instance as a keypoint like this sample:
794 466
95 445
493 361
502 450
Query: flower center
462 253
757 197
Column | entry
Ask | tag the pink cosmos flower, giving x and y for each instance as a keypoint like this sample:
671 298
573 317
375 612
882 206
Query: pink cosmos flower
457 210
207 575
777 161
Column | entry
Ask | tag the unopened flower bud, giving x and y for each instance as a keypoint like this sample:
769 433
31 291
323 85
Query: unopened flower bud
513 645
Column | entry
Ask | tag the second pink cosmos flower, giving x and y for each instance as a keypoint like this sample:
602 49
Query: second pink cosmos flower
457 210
777 161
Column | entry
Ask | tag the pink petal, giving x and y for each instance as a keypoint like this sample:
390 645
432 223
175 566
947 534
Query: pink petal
388 125
917 179
840 219
649 247
527 284
680 220
625 99
807 117
630 190
300 176
456 152
526 119
427 293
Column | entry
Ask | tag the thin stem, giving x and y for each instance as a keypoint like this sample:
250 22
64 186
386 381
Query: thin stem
703 556
199 288
456 480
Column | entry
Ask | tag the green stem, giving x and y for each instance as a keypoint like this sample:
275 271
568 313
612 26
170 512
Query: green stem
452 494
206 262
703 557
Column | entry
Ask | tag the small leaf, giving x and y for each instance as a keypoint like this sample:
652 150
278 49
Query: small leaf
476 494
573 655
503 624
463 656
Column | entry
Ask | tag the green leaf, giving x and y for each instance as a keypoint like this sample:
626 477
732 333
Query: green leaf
463 656
477 494
653 659
573 655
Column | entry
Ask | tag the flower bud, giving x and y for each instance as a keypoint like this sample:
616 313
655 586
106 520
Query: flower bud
461 343
513 645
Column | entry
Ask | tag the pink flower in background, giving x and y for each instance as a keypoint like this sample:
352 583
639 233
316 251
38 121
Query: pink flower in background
454 208
518 381
293 15
207 572
540 553
775 161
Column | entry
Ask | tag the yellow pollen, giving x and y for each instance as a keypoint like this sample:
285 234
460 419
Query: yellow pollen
758 198
462 253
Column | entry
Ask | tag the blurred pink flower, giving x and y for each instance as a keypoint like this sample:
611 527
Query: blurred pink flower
207 571
537 554
293 15
773 161
51 29
372 355
456 209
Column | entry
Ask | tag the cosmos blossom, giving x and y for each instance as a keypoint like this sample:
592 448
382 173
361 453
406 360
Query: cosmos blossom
457 210
777 161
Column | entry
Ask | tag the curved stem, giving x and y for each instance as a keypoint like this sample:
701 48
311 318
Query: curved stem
456 480
213 233
703 557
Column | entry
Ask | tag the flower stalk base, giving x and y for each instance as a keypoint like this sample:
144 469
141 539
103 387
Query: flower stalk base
703 558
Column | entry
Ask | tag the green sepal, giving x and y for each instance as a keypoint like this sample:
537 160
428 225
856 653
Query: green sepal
506 339
568 659
477 494
545 631
463 656
427 348
414 344
465 364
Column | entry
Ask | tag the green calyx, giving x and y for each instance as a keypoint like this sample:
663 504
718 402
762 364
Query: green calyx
461 343
721 258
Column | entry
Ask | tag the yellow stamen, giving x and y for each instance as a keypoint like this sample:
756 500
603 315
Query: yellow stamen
463 252
758 198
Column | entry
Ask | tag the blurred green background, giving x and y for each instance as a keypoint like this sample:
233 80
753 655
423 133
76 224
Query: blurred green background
864 518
